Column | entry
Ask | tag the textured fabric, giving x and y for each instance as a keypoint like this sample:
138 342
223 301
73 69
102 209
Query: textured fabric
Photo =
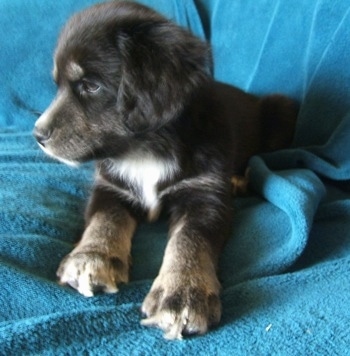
285 269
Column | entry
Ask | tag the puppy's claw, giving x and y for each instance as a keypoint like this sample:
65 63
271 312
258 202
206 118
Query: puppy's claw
174 327
90 273
172 330
178 308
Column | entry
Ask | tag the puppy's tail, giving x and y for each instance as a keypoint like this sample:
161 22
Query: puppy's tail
279 116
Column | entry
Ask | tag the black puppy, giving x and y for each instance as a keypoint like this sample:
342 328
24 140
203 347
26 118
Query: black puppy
135 95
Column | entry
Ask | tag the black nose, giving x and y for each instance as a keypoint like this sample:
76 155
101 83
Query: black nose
41 135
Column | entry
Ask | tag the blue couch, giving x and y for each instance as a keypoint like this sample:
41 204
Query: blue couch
285 270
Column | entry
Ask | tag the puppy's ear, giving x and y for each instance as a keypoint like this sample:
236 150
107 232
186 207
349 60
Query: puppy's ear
162 65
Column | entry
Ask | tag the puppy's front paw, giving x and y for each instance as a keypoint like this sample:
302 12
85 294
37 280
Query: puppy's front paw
182 305
92 272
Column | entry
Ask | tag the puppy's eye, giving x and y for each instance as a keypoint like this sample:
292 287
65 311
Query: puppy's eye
89 86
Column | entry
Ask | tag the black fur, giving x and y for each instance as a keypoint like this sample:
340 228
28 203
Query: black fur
139 86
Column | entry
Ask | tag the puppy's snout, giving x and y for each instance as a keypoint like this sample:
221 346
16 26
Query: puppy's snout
42 135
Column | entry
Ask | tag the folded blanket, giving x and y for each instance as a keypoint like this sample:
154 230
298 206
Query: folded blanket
285 269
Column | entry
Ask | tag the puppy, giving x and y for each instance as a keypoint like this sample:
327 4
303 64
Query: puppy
135 95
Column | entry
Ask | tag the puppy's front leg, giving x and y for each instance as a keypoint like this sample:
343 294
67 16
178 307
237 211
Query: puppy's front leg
101 259
184 298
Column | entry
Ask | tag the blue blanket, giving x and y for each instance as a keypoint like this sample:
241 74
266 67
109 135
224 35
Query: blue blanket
285 270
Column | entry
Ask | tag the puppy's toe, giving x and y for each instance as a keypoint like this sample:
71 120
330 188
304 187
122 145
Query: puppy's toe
182 306
91 273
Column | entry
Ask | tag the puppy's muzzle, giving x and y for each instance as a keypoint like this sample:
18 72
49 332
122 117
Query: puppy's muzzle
42 135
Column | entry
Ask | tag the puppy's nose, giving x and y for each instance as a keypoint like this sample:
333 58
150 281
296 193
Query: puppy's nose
41 135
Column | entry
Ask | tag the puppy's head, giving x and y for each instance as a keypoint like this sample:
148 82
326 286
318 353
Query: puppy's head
122 70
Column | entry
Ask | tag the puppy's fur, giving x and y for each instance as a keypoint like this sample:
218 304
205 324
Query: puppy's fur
135 95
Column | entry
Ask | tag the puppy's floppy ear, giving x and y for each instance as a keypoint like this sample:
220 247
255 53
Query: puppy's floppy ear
162 65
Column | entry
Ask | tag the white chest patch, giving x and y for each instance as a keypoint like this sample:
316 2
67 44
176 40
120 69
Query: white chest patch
145 172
